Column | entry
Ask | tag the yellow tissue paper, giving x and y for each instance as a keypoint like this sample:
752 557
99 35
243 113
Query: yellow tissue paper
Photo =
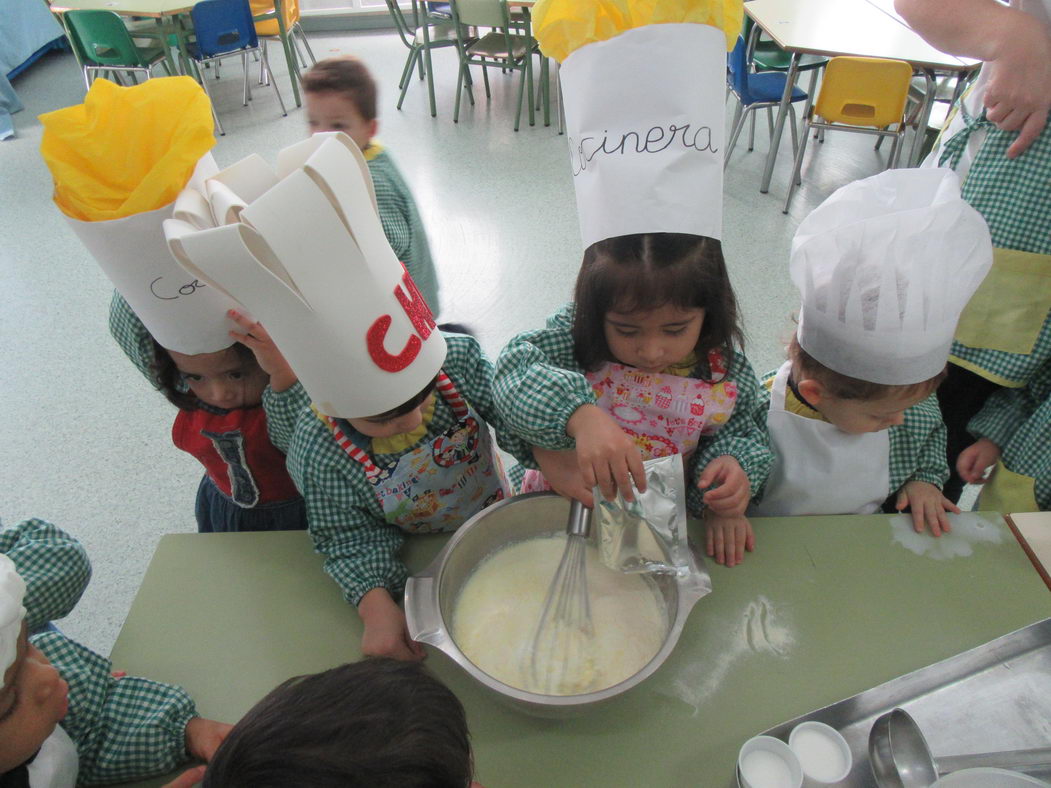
126 150
563 26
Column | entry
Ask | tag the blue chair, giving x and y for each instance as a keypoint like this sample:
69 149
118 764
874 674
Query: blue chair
757 91
225 28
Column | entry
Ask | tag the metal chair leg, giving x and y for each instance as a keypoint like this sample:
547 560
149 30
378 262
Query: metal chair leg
306 43
244 65
406 75
204 84
459 89
751 132
273 84
797 167
735 131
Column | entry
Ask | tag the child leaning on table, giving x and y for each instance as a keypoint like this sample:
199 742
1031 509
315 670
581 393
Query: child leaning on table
884 267
65 719
340 95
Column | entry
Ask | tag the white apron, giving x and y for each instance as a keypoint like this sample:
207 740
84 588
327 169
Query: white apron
57 763
441 482
664 413
818 468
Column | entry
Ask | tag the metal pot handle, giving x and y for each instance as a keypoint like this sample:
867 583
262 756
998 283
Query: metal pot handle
421 611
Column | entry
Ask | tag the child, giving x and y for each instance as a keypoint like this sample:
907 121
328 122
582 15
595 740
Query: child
644 363
340 95
1014 432
222 422
884 266
399 440
378 723
65 719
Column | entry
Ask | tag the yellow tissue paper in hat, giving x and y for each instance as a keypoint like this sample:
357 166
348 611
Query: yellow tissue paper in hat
564 26
126 150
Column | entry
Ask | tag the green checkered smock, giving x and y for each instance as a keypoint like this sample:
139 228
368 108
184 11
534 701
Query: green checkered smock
917 447
402 223
1019 422
124 729
539 384
344 515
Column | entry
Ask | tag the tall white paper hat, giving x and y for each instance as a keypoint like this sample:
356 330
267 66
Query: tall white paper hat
885 266
302 248
12 590
645 111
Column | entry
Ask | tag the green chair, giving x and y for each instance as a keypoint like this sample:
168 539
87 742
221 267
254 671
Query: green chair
102 43
439 34
501 48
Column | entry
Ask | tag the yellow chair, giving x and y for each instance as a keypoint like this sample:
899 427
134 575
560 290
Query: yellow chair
861 94
267 28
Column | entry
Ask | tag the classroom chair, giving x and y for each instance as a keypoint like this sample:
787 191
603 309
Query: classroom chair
101 43
753 92
440 34
858 94
224 28
267 28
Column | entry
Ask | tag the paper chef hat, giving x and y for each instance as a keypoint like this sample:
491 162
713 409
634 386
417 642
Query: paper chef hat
12 590
644 86
303 250
118 161
885 266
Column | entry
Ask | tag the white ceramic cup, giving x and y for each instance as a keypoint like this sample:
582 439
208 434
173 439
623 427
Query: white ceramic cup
823 753
766 762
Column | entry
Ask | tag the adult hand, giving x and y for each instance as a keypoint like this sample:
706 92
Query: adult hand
562 472
734 491
973 460
386 633
269 358
928 507
608 456
1018 94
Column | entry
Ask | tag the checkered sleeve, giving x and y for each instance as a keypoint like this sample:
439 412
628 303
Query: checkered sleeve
283 410
53 565
743 437
538 383
344 516
132 336
1002 415
924 460
124 729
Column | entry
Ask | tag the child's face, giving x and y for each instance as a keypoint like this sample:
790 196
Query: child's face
331 111
32 702
856 416
655 339
223 379
388 428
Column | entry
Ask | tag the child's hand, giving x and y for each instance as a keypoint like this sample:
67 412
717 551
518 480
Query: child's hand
203 737
188 778
606 454
973 460
562 472
928 507
386 633
726 538
270 360
731 497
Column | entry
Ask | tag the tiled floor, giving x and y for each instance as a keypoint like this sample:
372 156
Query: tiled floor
86 443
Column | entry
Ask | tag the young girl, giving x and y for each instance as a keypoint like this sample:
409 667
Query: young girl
223 423
643 364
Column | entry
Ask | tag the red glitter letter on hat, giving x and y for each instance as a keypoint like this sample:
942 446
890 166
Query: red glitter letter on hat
386 361
415 307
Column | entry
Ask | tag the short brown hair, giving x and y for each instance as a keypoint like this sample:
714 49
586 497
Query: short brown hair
347 76
845 387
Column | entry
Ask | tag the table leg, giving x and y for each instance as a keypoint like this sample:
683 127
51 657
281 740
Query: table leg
921 122
779 126
290 56
426 28
181 30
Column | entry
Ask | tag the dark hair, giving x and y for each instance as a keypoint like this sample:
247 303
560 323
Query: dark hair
408 405
845 387
167 378
646 271
347 76
378 723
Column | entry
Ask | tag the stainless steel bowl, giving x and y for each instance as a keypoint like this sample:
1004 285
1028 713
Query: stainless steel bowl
431 595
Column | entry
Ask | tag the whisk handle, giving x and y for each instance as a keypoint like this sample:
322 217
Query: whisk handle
579 523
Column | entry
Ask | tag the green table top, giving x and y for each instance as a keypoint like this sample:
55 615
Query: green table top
825 608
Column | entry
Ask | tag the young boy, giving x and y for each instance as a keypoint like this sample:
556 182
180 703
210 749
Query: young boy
340 95
378 723
885 266
65 719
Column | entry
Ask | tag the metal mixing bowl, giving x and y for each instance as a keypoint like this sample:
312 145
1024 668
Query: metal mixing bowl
431 595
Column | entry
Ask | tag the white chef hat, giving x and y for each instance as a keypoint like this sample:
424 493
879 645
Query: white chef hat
644 87
885 266
302 248
12 590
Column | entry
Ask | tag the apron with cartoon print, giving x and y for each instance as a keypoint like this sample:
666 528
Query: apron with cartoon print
441 482
664 413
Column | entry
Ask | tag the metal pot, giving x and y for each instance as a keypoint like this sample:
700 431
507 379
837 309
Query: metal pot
431 595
